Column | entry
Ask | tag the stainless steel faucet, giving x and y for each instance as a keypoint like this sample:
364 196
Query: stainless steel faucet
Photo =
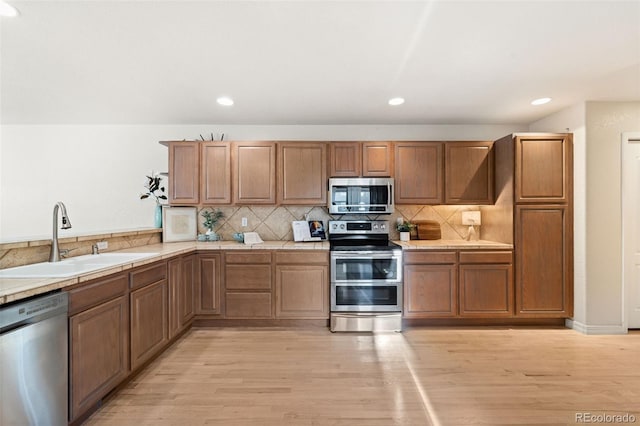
54 255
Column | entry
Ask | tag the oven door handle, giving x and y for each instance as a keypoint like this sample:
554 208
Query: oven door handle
369 253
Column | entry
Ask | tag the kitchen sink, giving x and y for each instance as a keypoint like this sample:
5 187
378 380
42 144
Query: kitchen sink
73 266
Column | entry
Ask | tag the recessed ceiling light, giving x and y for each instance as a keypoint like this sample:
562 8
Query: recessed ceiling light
396 101
7 10
540 101
225 100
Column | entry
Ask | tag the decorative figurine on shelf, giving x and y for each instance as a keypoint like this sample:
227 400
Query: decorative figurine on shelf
405 228
211 217
155 190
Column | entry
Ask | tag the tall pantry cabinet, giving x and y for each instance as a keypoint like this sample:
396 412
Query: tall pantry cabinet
538 171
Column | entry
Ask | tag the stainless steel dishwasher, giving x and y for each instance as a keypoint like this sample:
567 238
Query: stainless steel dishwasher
34 361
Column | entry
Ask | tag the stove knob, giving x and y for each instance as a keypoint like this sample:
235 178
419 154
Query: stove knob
375 226
342 226
383 226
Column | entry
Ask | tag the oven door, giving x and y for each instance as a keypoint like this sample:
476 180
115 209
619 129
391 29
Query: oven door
366 267
366 297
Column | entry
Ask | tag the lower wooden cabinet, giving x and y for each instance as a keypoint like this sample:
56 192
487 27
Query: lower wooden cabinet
99 353
544 261
208 273
430 291
181 284
149 319
447 284
98 340
302 291
248 285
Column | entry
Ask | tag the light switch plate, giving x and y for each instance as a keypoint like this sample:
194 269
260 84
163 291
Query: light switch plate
102 245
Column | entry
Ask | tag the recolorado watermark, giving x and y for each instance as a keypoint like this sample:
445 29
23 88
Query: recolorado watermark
585 417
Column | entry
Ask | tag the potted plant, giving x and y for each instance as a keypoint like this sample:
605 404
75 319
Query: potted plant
155 190
405 228
211 217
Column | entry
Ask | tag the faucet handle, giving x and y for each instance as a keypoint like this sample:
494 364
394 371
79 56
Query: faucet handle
95 249
64 253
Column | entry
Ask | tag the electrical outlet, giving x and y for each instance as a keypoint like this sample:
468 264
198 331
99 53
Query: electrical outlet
400 220
244 221
102 245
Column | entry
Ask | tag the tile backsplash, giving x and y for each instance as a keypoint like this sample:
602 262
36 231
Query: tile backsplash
274 223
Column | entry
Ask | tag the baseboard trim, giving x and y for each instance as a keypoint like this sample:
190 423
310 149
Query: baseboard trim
595 329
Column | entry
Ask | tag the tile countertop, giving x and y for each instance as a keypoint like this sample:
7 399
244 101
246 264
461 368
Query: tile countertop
12 289
452 245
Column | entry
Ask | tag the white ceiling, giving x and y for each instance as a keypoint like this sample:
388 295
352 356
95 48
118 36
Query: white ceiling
313 62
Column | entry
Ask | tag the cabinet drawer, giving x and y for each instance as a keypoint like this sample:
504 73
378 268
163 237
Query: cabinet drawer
97 292
244 257
149 274
429 257
486 257
248 277
304 258
248 305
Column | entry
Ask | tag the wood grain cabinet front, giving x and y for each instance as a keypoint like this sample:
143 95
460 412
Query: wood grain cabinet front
302 285
430 284
99 352
215 179
248 285
209 276
486 284
254 172
419 173
469 172
355 159
184 173
302 173
149 313
181 293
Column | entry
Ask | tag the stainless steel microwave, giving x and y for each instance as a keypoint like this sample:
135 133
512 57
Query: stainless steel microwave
360 196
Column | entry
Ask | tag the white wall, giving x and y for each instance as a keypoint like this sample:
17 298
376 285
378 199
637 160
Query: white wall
597 128
98 171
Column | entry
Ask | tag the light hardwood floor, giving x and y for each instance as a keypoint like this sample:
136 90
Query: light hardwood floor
434 376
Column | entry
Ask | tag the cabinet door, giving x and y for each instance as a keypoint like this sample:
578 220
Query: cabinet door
187 308
543 169
99 354
486 290
216 173
430 291
302 173
184 172
418 176
345 159
149 322
255 172
208 284
302 291
377 159
544 261
175 283
468 170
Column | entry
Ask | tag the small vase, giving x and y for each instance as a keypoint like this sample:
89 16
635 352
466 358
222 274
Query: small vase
157 220
404 236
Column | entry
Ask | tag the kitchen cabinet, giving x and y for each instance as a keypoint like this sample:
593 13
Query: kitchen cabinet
98 341
543 168
254 172
181 284
208 284
302 285
486 284
149 312
355 159
534 173
184 173
215 180
544 273
418 172
469 172
302 177
430 284
248 286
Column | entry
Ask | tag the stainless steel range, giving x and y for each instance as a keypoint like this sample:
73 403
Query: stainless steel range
366 277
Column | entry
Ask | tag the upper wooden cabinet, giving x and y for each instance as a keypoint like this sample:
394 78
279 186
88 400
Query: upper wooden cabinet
354 159
254 172
215 181
543 167
469 169
418 173
184 172
302 177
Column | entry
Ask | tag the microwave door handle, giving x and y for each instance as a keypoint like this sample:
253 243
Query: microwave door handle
389 194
